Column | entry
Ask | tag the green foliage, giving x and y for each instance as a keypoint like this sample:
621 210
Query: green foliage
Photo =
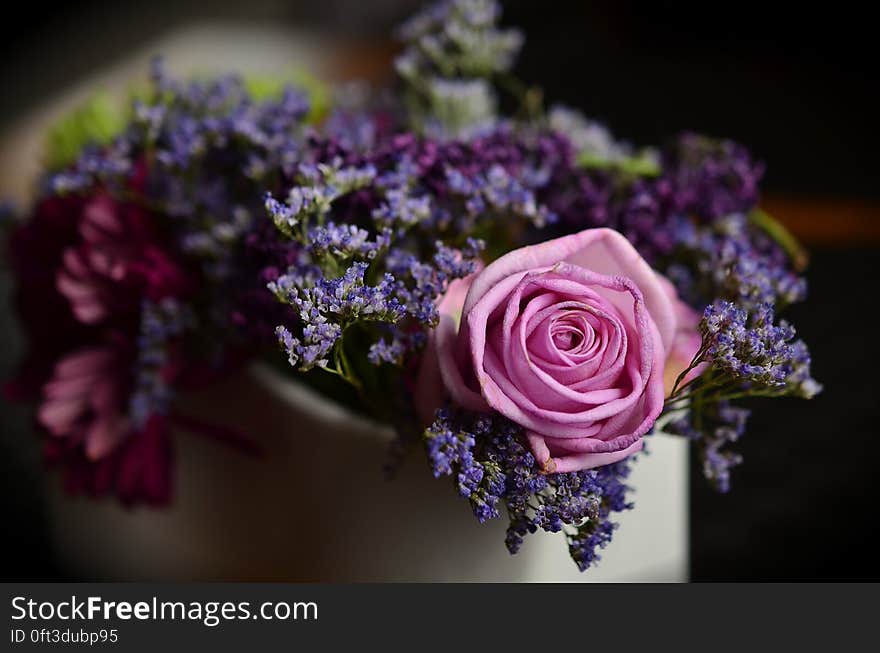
640 165
95 122
266 87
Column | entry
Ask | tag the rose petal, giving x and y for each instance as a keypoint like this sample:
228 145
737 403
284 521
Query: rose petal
601 250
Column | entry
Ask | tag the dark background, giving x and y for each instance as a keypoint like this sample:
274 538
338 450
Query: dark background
796 84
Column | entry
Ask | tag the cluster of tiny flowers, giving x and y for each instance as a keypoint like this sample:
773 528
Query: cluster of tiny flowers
94 165
451 452
200 131
461 38
401 208
714 178
327 306
318 216
492 467
596 146
451 50
321 184
748 355
585 545
190 119
421 283
384 352
345 241
499 192
161 322
752 349
741 265
722 424
395 344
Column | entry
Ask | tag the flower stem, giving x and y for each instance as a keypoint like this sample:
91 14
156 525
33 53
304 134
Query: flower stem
782 236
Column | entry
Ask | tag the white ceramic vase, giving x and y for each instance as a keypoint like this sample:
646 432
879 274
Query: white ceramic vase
316 507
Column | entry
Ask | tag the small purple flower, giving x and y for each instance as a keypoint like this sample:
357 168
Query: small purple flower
494 468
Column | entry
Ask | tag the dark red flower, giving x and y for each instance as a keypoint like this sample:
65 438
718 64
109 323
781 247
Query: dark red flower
116 264
35 249
138 470
84 267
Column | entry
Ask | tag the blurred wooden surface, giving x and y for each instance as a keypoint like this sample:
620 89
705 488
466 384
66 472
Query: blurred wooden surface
818 221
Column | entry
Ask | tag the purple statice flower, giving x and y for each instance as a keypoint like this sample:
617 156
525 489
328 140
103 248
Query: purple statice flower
498 192
493 467
459 38
201 154
447 446
453 263
354 131
642 214
509 172
160 323
190 121
346 297
800 379
752 349
106 165
717 462
384 352
451 50
401 208
451 452
402 174
318 339
182 144
594 535
713 178
345 241
744 270
721 424
284 214
420 283
396 344
325 306
335 178
321 185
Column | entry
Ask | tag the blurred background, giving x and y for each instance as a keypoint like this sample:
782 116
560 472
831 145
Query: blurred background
797 86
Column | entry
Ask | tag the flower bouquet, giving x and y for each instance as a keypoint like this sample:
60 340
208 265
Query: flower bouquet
523 298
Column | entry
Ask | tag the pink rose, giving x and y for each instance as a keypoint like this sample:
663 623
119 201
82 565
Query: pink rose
568 339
